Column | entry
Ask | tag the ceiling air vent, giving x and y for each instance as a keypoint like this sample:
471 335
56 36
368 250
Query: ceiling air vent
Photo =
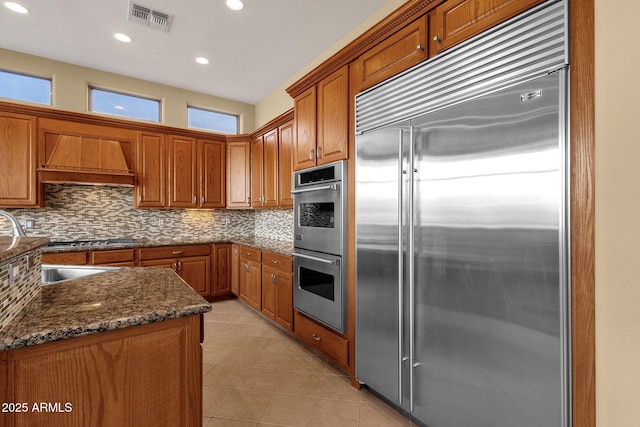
148 17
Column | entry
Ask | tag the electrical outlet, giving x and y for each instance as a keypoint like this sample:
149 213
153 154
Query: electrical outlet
14 272
28 224
160 222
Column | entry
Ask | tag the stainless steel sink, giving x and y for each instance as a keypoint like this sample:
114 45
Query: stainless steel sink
57 273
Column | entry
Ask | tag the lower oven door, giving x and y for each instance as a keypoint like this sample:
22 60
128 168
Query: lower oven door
319 290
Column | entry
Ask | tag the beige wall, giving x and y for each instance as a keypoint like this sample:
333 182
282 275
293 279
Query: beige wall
278 101
617 213
70 93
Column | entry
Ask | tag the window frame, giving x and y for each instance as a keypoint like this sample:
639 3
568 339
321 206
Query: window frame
90 92
210 110
33 76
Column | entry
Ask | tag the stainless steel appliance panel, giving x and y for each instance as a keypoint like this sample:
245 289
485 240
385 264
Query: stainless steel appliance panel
319 208
319 289
381 249
488 205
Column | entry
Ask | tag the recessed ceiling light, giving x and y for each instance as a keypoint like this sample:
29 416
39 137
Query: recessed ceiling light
122 37
235 4
202 60
18 8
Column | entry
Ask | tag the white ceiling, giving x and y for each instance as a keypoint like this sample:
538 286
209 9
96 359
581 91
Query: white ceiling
252 51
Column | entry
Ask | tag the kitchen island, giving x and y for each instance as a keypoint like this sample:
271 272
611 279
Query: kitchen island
120 348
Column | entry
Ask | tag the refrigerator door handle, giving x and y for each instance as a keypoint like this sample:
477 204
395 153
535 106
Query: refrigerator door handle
401 171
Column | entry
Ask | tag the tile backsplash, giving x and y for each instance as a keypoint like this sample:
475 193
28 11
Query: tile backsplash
77 212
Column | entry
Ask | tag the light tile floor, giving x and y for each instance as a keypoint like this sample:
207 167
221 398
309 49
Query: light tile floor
257 375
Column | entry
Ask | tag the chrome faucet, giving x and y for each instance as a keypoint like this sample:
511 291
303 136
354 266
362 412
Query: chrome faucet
17 228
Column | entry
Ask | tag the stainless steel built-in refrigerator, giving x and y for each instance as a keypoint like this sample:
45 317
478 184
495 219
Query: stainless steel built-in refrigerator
462 255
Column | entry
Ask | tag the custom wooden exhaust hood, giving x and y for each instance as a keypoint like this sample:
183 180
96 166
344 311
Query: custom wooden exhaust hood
66 157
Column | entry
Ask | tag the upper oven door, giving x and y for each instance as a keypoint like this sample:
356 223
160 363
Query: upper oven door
318 217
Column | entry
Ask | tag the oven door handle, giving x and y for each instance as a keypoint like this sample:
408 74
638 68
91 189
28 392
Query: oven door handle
315 258
318 188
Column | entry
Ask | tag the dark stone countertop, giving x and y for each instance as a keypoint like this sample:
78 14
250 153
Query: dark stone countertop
102 302
11 247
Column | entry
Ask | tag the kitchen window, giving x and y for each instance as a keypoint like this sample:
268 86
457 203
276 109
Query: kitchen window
24 87
200 118
124 105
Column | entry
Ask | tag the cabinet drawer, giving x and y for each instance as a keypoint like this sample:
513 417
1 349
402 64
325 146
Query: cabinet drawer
397 53
277 261
67 258
455 21
164 252
250 253
319 337
112 256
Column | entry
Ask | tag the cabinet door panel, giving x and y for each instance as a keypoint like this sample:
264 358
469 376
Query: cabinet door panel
221 274
285 165
212 174
284 299
238 174
183 172
269 302
457 20
257 172
333 117
18 183
304 147
270 169
397 53
196 272
151 171
235 269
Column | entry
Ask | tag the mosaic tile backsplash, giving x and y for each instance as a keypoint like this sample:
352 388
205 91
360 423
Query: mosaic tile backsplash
80 212
15 296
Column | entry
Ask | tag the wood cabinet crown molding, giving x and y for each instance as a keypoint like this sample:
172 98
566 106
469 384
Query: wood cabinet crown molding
95 119
401 16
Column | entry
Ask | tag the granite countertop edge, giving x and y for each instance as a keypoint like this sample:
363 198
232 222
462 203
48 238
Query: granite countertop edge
12 247
52 335
129 296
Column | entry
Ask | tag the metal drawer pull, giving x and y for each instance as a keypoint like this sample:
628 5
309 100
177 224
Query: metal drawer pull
315 337
177 252
437 39
314 258
420 47
319 188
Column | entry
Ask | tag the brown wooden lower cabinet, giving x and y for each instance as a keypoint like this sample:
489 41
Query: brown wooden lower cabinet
333 345
66 258
220 269
191 262
235 269
277 288
149 375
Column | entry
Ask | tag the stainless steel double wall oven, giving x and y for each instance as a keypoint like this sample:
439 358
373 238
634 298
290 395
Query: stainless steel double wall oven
319 240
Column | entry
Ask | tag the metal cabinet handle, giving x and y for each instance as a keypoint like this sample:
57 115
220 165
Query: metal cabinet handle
420 46
195 200
311 154
177 252
274 261
179 266
319 152
274 278
202 200
174 266
315 337
437 39
318 188
247 268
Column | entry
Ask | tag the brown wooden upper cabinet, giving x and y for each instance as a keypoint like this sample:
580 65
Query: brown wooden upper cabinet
238 174
18 181
264 170
285 164
183 172
457 20
150 190
212 173
398 52
177 171
322 121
